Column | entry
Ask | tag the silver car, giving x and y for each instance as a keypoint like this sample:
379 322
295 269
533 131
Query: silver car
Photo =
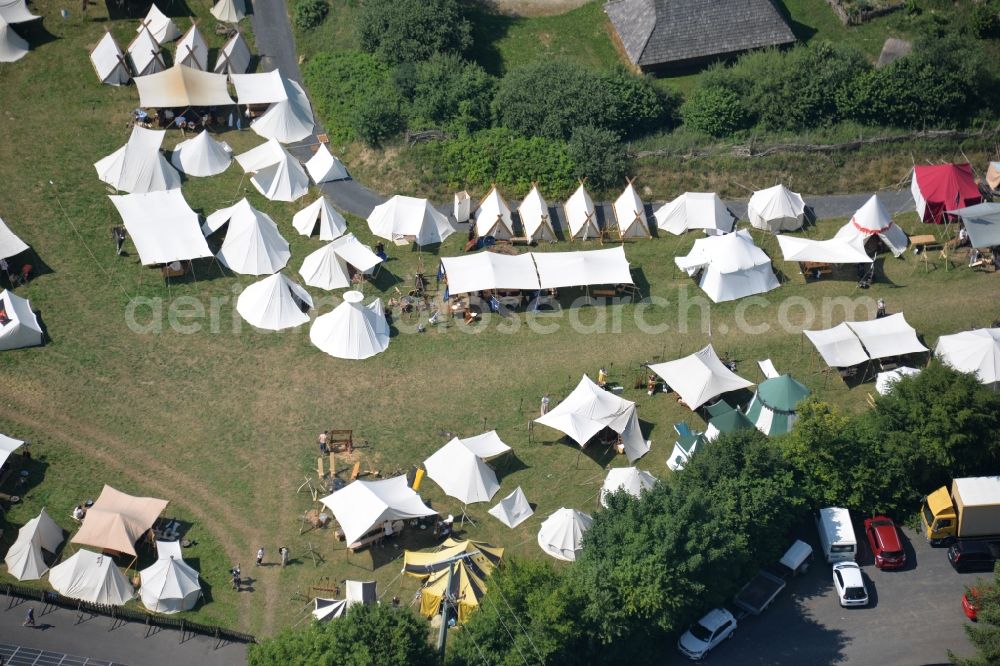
706 633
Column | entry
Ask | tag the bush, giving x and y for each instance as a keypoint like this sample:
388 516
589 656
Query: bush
308 14
377 118
412 30
340 82
598 155
447 90
985 20
715 111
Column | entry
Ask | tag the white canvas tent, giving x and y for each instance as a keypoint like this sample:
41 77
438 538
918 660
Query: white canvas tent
109 62
253 244
887 336
260 157
7 446
581 216
274 303
885 381
630 214
700 377
16 11
583 268
24 558
118 520
363 505
259 88
487 445
731 266
872 219
561 534
324 167
534 214
832 251
592 409
352 330
976 352
22 328
493 216
630 479
91 577
489 270
513 509
145 54
192 51
169 585
277 175
322 214
409 218
776 209
10 243
160 26
182 86
358 592
162 227
461 473
234 56
229 11
838 346
329 267
695 210
13 47
202 156
288 120
139 166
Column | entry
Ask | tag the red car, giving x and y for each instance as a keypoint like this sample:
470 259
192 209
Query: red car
883 537
970 603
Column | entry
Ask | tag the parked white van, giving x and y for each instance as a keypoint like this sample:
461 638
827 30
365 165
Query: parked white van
836 535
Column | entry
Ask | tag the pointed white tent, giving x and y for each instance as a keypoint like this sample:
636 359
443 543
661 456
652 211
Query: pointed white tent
358 592
776 209
253 244
324 166
139 166
493 216
169 585
872 219
630 213
699 377
13 47
160 26
16 11
630 479
91 577
192 51
229 11
461 473
581 216
322 214
109 62
695 210
274 303
145 54
7 446
534 214
22 328
279 176
234 56
561 535
330 266
731 266
976 352
409 218
10 243
363 505
202 156
24 559
351 330
162 227
513 509
832 251
182 86
288 120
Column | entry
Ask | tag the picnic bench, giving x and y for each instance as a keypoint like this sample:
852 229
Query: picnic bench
815 269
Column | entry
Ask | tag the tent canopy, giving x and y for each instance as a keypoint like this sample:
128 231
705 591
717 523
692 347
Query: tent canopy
982 221
324 167
513 509
695 210
229 11
170 584
836 250
13 47
776 209
159 25
409 218
885 381
731 266
192 49
288 120
138 166
937 188
15 11
162 226
182 86
7 446
275 303
262 88
352 331
109 62
22 329
887 336
320 213
838 346
630 479
329 267
782 393
282 180
581 216
473 562
364 505
577 269
10 243
976 352
630 214
234 56
461 473
493 216
145 54
117 520
91 577
202 155
24 558
487 445
561 534
872 219
490 270
253 244
699 377
727 421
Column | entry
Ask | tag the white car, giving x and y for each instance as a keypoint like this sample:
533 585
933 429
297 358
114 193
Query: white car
850 584
706 633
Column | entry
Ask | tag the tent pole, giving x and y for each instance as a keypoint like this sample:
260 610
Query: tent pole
445 603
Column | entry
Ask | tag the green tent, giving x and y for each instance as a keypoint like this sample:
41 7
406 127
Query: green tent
729 421
772 409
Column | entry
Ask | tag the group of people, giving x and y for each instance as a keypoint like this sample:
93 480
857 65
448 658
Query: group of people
191 118
237 575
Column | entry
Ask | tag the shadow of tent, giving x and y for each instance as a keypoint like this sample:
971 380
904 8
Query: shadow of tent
654 230
508 464
137 9
35 33
601 454
385 279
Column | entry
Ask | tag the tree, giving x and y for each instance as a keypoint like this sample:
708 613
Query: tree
377 118
446 89
339 82
367 636
309 13
598 155
412 30
716 111
985 633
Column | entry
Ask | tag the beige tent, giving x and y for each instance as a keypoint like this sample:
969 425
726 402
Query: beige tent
145 54
192 50
160 26
109 63
630 214
183 86
229 11
91 577
24 559
234 56
581 216
534 214
117 520
493 216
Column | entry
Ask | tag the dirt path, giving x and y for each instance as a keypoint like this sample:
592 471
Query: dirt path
535 7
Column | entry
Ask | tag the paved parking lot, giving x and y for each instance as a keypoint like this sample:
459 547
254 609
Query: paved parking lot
914 617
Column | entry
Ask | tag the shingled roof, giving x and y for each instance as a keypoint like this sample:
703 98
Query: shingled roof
657 33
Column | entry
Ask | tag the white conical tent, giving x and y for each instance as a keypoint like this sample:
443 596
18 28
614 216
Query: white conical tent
24 558
7 446
513 509
288 120
160 26
10 243
202 156
630 479
776 209
324 166
279 176
23 329
409 218
695 210
330 266
561 535
192 50
534 214
145 54
493 216
234 56
253 244
139 166
109 62
699 377
13 47
363 505
461 473
630 213
351 330
169 585
976 352
322 214
229 11
731 266
581 216
872 219
91 577
274 303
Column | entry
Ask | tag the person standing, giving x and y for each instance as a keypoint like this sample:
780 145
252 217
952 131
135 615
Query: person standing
545 404
260 555
283 551
29 621
602 378
880 308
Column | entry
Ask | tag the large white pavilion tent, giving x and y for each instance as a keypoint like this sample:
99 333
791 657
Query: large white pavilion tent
561 534
351 330
91 577
731 266
169 585
461 473
259 87
139 166
22 328
363 505
409 218
833 251
162 227
887 336
274 303
330 266
838 346
484 271
583 268
976 352
695 210
700 377
776 209
253 244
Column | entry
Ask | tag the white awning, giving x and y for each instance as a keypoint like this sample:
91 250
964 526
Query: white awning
833 251
490 270
139 166
265 88
578 269
699 377
183 86
364 505
487 445
289 120
162 226
10 243
838 346
888 336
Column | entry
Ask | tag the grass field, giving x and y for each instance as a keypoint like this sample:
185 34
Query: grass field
221 419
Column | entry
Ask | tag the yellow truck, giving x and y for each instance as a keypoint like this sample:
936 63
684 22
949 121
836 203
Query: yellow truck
970 511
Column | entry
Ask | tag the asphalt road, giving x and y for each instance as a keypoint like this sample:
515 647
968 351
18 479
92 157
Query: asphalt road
914 618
